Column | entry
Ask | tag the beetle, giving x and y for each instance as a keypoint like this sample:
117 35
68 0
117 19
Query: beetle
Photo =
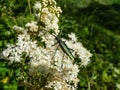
64 47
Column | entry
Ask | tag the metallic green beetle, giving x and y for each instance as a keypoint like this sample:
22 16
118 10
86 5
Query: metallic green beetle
64 47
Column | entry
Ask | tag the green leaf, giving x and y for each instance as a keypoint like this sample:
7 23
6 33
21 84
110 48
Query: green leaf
1 43
3 71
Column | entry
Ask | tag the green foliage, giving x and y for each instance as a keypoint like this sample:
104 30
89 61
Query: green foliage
7 81
96 24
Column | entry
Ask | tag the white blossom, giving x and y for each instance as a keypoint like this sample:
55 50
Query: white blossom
37 6
32 26
15 27
81 51
73 37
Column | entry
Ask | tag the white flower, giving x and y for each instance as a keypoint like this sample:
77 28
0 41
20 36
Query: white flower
32 26
73 37
17 28
37 6
78 49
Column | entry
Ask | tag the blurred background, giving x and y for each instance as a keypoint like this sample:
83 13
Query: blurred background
96 24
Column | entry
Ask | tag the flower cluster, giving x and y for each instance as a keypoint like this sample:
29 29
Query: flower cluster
79 50
47 14
57 69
